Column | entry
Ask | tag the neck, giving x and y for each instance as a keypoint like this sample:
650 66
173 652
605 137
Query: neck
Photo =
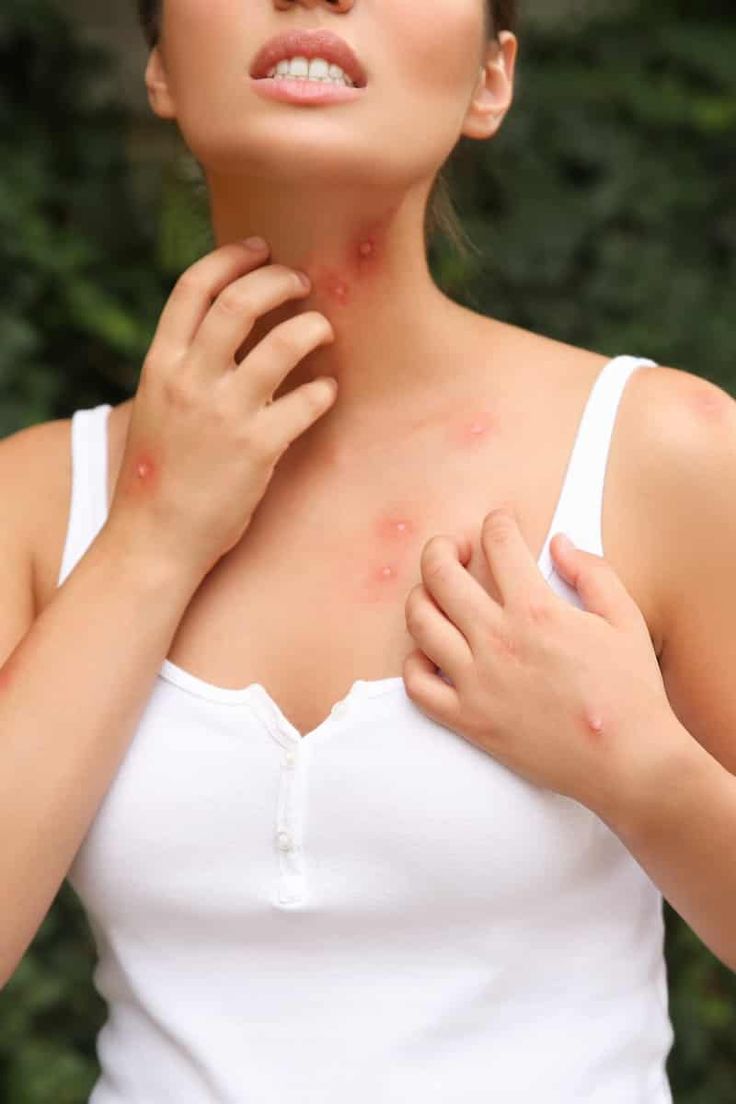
366 257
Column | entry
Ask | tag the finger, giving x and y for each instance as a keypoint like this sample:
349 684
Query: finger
598 585
429 691
269 362
235 312
437 637
512 564
460 596
287 418
194 293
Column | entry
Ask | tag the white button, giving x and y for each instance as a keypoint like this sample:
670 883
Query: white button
284 841
289 758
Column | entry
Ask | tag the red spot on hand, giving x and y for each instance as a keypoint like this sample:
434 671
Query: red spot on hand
593 723
142 475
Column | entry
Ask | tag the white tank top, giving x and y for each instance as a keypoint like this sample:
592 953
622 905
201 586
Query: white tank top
376 913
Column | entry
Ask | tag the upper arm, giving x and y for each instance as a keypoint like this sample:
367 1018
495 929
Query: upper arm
18 457
692 476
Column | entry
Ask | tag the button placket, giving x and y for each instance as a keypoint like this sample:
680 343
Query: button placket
288 828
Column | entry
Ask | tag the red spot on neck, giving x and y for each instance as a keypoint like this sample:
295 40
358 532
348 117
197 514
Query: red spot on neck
363 257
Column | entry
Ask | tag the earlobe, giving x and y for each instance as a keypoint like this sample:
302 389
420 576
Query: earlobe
493 92
157 86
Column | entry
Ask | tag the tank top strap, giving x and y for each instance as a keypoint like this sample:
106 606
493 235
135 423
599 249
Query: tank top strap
88 500
579 511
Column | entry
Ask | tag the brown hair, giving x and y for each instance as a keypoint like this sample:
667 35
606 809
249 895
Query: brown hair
500 15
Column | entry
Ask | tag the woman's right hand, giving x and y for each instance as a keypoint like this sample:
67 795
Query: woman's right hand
204 435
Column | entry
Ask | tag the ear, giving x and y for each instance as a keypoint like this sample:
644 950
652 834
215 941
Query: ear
157 85
494 90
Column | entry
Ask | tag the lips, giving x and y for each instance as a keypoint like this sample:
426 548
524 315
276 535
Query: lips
309 44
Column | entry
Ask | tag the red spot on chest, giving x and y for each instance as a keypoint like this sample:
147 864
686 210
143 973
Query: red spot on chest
394 554
474 431
394 528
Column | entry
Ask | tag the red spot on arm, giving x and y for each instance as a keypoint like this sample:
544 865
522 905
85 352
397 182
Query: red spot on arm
711 403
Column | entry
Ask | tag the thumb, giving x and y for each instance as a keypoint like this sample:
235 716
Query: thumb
595 581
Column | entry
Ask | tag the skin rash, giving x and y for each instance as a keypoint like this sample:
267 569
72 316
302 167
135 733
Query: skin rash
364 257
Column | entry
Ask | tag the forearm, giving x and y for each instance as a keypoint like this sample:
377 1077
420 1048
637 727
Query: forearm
681 829
71 695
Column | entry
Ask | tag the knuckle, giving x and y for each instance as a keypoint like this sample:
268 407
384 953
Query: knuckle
411 598
314 394
504 644
411 682
193 280
316 324
179 392
261 446
434 558
498 526
416 609
538 612
416 619
435 565
283 341
233 300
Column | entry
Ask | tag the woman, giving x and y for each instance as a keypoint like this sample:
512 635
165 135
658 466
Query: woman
364 801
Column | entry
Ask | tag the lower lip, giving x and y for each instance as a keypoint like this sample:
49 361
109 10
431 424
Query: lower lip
304 91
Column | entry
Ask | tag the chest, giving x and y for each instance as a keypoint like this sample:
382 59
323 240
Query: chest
313 598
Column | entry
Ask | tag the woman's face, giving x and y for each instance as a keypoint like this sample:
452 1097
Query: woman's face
422 63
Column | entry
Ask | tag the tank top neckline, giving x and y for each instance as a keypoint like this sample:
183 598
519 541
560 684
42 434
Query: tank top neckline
255 694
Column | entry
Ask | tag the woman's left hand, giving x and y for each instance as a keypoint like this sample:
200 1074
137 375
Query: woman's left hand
571 699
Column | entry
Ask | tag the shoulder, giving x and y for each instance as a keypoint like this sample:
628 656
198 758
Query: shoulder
35 462
29 457
683 428
681 440
687 449
31 470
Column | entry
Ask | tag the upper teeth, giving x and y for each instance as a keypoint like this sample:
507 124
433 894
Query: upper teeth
317 69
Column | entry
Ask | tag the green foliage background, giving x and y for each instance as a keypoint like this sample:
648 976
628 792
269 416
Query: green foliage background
604 215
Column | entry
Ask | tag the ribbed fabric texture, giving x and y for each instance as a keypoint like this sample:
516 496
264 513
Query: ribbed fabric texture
376 913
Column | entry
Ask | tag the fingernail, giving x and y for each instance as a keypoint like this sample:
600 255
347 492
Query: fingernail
564 542
255 243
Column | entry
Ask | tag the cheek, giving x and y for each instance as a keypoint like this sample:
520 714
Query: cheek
208 48
434 47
